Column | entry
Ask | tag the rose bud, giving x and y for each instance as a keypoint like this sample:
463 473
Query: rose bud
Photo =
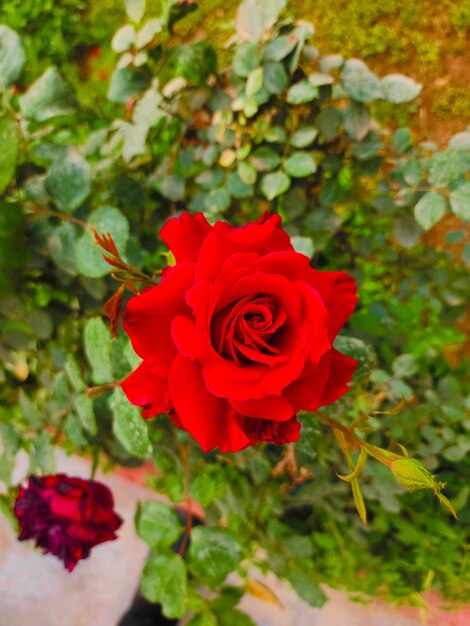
412 475
66 516
238 336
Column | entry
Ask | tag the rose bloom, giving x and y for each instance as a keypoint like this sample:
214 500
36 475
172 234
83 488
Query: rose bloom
237 337
66 516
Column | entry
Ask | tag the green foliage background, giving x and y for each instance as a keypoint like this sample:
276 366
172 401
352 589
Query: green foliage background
232 131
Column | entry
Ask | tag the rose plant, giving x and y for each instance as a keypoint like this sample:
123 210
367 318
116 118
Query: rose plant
234 332
238 336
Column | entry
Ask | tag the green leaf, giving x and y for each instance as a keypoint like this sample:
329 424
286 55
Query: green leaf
445 168
129 427
245 59
213 554
466 253
367 149
12 56
217 201
331 62
413 172
399 389
357 120
460 201
275 78
460 141
157 524
174 487
304 245
275 134
303 32
42 456
254 81
401 140
250 107
48 97
68 180
165 581
202 619
6 510
84 406
300 164
362 352
148 31
135 9
228 599
195 62
74 431
255 17
88 255
279 48
36 191
235 617
97 343
73 373
304 136
125 84
301 92
307 589
9 140
237 188
359 82
203 489
398 88
275 184
247 172
455 236
173 187
317 79
124 38
265 159
61 244
404 366
29 410
429 209
328 122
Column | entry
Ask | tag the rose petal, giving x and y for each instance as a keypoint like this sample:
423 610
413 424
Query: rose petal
342 300
279 433
342 368
306 393
261 237
210 420
185 235
337 289
146 389
148 318
276 408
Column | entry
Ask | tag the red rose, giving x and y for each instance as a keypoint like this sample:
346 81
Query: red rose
66 516
237 338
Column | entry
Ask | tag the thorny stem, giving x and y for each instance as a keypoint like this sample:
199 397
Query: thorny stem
96 462
384 456
44 212
187 497
96 391
61 425
445 192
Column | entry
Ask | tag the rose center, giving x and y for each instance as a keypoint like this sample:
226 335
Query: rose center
248 329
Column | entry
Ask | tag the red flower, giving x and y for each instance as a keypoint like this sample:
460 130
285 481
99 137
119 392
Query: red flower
66 516
237 338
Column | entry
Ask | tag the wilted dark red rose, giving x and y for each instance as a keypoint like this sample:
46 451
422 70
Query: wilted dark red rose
66 516
237 338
